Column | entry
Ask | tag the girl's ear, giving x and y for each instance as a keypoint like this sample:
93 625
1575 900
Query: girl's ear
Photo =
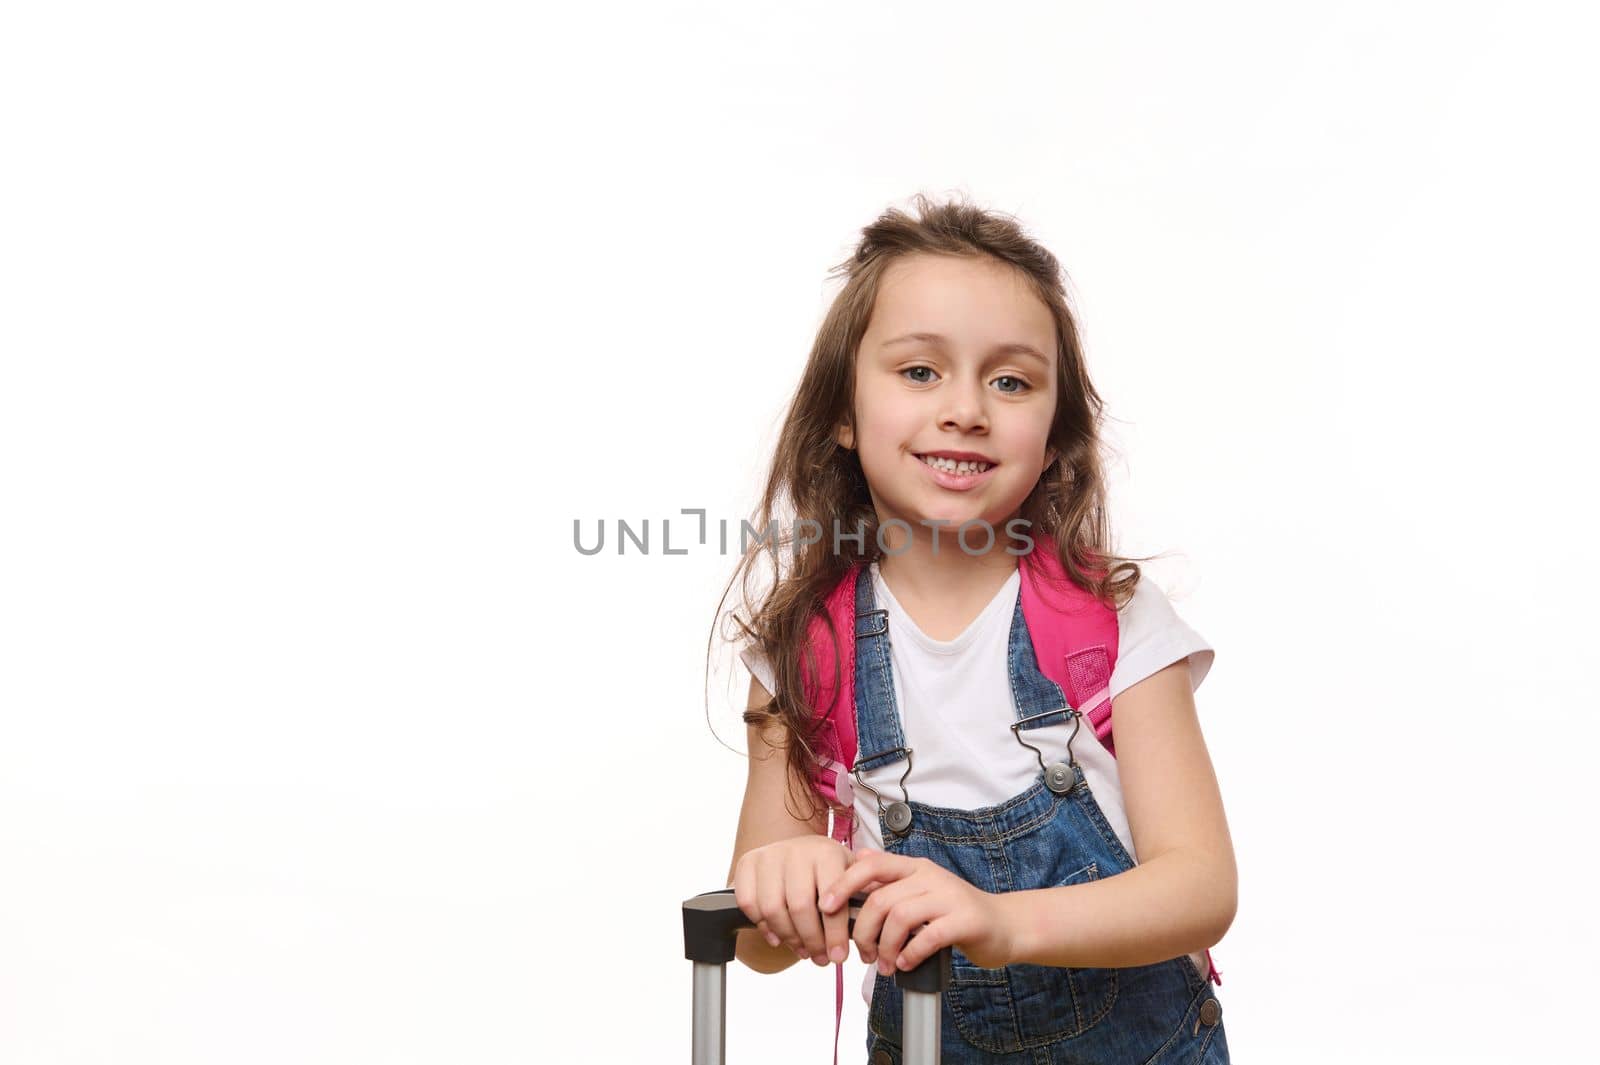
1049 457
845 435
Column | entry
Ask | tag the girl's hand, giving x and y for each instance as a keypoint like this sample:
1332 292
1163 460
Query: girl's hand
776 888
915 891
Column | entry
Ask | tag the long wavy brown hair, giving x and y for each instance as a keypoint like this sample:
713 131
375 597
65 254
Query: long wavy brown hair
813 479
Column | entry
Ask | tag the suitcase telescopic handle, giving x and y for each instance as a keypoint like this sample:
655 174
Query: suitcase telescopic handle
712 921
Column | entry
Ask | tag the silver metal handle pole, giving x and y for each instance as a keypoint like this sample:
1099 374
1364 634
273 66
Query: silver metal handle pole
710 1013
920 1024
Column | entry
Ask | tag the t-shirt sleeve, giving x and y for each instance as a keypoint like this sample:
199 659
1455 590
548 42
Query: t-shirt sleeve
1151 636
745 646
759 667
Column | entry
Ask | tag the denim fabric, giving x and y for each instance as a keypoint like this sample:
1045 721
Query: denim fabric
1034 1014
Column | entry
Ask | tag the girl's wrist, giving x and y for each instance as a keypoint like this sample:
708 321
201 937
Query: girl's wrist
1015 921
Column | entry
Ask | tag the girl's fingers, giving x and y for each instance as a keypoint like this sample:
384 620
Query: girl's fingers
873 867
869 925
866 872
774 905
931 937
744 893
835 925
867 889
906 917
800 894
836 893
865 932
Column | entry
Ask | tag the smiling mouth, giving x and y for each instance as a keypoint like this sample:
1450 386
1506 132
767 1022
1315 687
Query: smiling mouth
960 469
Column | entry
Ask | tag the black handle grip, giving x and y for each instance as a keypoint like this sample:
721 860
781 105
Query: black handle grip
712 921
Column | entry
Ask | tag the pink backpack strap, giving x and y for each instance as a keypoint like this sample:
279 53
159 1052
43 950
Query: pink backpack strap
837 705
1074 635
837 737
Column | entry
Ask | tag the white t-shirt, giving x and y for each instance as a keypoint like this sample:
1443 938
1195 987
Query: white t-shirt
956 709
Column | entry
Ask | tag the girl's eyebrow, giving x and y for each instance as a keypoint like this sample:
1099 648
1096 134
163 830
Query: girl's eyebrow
1012 348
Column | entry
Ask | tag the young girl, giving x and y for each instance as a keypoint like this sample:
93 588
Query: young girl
1081 881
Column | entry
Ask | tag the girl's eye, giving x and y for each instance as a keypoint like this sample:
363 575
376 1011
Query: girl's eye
1022 385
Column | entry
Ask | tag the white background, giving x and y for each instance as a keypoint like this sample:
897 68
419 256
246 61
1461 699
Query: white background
322 323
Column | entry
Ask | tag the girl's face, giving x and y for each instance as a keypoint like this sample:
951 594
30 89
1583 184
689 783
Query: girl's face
958 360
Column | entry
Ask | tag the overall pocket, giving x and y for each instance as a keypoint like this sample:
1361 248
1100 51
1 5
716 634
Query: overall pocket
1021 1007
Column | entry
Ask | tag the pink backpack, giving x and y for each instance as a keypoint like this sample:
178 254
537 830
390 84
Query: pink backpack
1074 639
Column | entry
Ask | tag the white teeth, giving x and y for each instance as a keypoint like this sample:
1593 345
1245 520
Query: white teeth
951 466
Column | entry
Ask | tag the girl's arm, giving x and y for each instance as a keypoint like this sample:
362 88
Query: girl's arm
765 818
1182 894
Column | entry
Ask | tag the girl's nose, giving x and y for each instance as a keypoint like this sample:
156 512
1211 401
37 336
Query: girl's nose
964 409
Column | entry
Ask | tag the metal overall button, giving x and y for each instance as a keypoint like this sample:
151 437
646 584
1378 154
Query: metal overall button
881 1057
897 815
1059 777
1210 1013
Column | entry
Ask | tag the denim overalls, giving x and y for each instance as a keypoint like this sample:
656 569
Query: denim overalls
1023 1014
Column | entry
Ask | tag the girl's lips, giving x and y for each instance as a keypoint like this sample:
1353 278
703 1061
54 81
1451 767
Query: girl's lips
956 482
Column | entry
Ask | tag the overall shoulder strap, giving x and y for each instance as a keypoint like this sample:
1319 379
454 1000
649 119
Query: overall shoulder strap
1074 635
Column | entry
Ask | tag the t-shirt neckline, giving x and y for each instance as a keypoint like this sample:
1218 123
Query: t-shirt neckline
1004 598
